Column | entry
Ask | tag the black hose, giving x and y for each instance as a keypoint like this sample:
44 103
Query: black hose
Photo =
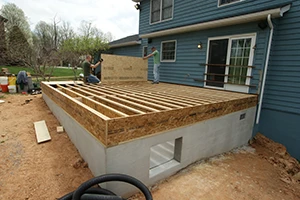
86 192
92 190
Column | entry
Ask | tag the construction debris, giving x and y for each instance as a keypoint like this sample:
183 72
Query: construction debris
60 129
297 176
41 131
27 101
79 162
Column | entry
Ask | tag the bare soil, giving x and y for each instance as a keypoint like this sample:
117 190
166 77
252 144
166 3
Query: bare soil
31 171
35 171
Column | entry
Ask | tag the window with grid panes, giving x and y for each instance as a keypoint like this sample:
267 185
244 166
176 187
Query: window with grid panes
168 51
161 10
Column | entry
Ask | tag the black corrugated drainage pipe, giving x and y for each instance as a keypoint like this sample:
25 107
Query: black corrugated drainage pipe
86 192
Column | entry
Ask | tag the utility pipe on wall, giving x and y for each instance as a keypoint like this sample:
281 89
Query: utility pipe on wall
266 68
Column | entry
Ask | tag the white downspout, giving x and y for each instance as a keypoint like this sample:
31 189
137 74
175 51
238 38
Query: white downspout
266 68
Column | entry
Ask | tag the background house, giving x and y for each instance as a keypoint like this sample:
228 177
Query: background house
2 41
128 46
231 45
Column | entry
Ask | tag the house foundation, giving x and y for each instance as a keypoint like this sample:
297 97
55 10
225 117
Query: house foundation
149 131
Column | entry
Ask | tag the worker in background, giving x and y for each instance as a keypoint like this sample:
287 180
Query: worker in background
87 66
156 60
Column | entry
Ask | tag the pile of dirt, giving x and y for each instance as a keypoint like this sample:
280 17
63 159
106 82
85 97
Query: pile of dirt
277 155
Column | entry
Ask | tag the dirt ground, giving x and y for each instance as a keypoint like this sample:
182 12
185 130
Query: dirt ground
32 171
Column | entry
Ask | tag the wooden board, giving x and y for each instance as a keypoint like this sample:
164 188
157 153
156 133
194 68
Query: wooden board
89 118
123 69
41 131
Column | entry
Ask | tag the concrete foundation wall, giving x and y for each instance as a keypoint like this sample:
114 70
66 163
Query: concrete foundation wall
201 140
91 150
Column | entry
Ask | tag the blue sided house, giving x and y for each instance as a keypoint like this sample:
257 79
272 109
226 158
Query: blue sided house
246 46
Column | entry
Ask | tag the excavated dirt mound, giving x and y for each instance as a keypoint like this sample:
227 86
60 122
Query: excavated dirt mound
277 155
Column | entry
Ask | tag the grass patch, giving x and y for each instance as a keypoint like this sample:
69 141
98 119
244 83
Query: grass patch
58 72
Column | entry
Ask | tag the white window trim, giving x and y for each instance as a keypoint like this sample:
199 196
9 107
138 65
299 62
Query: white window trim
161 51
219 3
143 52
160 14
251 58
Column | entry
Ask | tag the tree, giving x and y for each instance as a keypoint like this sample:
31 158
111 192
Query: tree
87 29
40 59
66 31
74 48
44 35
3 46
16 17
19 49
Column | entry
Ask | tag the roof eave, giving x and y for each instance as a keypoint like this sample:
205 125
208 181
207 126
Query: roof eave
277 12
131 43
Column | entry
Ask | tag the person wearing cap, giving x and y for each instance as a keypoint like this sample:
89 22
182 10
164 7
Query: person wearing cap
156 60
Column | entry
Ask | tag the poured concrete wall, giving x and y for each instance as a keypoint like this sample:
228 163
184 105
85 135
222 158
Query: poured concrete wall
91 150
201 140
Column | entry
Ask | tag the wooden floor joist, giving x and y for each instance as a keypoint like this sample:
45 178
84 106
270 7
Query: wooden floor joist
105 110
144 102
164 93
123 101
119 112
134 93
123 108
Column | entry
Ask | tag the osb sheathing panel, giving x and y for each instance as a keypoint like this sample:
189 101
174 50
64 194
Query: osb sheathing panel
123 69
87 117
120 130
112 131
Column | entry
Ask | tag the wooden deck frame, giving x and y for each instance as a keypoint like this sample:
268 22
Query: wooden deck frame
116 113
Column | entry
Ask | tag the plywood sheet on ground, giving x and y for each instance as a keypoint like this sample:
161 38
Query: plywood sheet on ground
123 68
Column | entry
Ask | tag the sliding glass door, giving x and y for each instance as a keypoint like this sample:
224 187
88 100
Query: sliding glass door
229 62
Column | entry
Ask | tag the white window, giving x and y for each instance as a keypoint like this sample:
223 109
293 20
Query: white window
161 10
145 51
225 2
168 51
229 62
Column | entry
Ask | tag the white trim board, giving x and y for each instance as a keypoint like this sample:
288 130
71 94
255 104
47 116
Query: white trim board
242 19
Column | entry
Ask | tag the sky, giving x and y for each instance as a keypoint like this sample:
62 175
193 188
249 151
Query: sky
116 16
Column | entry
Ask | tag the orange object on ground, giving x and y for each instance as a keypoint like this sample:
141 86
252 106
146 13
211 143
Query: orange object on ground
4 88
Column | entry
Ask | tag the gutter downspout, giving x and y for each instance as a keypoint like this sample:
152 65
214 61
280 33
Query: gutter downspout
266 68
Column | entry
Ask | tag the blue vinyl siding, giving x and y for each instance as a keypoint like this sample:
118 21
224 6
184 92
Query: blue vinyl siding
190 12
135 51
282 127
280 115
187 66
282 92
